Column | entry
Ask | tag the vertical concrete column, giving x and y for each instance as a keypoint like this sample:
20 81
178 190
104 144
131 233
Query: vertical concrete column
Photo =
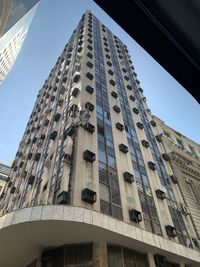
182 265
151 260
100 254
39 262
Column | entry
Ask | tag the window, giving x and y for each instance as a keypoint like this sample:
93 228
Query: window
104 192
119 256
179 225
194 189
150 215
166 134
72 255
180 143
192 150
103 173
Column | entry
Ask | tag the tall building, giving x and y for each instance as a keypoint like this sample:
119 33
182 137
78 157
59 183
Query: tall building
90 184
5 6
16 17
4 172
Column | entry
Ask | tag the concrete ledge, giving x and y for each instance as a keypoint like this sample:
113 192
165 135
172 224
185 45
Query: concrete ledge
24 232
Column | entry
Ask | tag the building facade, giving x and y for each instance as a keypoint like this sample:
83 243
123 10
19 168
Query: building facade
185 162
16 17
90 185
4 173
5 6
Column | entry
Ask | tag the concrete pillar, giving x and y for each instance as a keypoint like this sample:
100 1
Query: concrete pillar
100 255
39 259
151 260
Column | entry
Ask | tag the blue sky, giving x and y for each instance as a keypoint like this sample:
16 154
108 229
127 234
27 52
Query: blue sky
50 30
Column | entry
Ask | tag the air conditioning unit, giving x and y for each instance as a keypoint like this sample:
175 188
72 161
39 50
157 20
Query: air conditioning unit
30 155
116 109
21 164
132 98
171 231
53 135
145 143
89 156
114 94
174 179
153 123
37 156
75 92
119 126
89 127
135 215
2 195
184 209
63 198
160 194
12 190
66 158
196 242
89 89
76 77
152 165
10 184
159 137
123 148
128 177
166 156
89 196
57 117
135 110
140 125
69 131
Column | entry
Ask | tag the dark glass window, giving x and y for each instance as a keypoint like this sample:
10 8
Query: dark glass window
179 225
110 202
119 256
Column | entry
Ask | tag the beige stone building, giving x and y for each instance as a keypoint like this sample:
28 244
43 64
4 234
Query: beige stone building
90 184
185 163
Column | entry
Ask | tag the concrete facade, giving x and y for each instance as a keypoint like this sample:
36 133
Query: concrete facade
90 168
4 173
80 224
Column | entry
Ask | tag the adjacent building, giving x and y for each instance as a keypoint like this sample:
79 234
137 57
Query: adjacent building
15 17
91 183
4 173
185 162
5 6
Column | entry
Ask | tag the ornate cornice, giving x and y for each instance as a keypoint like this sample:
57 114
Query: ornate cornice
192 167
